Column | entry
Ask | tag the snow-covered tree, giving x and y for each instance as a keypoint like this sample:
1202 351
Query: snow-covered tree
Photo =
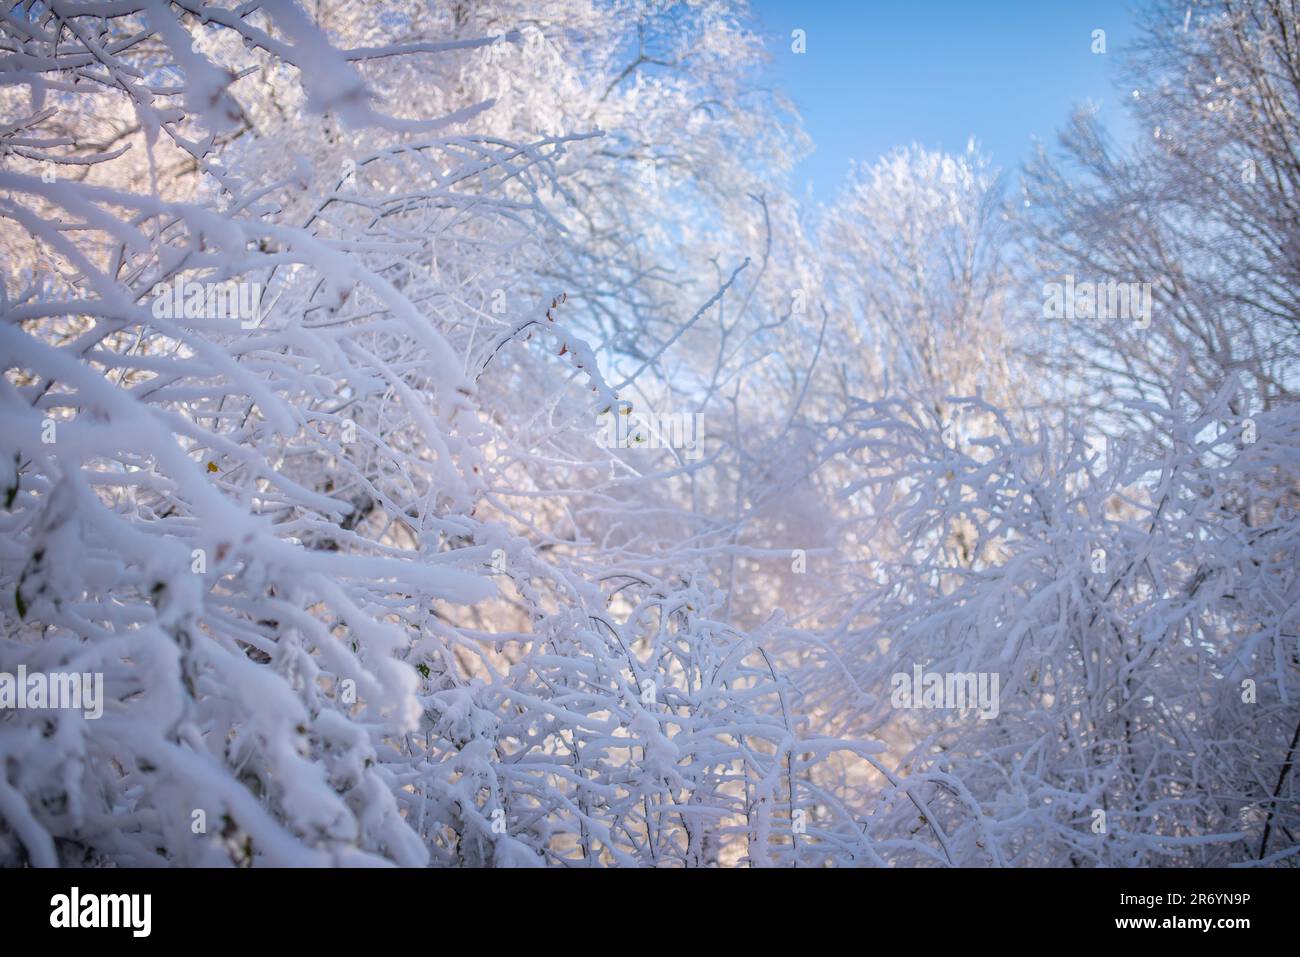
1201 208
287 406
453 445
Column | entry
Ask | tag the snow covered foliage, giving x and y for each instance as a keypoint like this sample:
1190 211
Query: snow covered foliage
298 424
1137 605
450 444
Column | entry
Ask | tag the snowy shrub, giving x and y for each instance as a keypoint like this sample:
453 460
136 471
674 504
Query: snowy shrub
290 536
1137 604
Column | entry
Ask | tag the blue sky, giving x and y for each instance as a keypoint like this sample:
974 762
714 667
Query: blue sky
884 73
